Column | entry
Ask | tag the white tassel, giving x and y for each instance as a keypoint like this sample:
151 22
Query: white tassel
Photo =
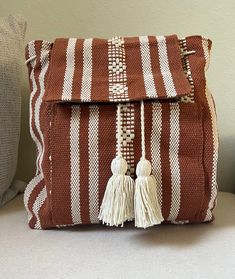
147 209
146 205
118 201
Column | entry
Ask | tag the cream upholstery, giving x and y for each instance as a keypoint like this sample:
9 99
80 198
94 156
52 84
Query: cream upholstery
170 251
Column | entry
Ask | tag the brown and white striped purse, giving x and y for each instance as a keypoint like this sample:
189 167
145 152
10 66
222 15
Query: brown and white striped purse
125 130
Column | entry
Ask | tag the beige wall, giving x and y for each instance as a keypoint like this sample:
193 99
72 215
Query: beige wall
99 18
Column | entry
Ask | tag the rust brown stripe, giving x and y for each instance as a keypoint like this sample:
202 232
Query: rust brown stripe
60 154
107 145
190 160
135 80
77 78
100 74
45 215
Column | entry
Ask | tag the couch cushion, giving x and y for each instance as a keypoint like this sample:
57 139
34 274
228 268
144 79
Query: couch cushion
166 251
12 30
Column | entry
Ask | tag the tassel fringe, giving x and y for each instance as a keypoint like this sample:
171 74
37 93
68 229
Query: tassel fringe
147 209
118 202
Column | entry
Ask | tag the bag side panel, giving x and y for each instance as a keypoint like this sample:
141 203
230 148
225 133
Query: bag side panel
36 193
199 64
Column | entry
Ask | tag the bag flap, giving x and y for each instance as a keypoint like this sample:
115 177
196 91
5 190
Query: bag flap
116 70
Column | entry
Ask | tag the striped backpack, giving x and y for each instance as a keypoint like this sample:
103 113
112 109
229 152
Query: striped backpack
125 129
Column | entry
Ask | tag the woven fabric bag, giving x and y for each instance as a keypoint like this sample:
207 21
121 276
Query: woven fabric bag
125 130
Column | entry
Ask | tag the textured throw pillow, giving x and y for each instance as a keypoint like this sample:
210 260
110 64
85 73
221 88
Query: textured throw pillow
12 31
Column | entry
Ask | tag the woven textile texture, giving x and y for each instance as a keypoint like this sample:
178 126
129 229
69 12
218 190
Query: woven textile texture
12 31
75 87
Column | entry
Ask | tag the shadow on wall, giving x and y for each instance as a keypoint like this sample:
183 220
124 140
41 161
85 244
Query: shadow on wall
226 164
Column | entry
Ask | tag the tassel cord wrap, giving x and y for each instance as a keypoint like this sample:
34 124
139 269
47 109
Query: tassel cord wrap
118 201
119 131
146 205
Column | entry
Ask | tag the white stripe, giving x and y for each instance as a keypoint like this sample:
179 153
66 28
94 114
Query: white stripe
69 71
44 60
174 161
87 71
75 164
147 67
93 140
37 205
164 66
214 187
156 135
28 191
32 52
